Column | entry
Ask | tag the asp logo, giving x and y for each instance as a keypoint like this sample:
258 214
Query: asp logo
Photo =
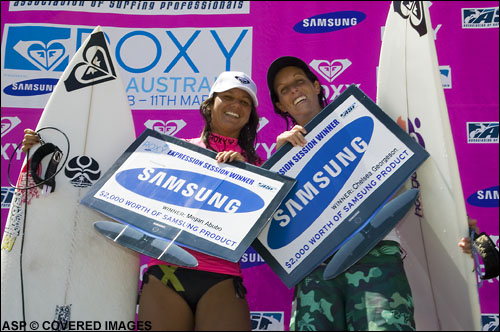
490 322
267 320
484 198
479 18
482 132
189 189
329 22
445 72
7 195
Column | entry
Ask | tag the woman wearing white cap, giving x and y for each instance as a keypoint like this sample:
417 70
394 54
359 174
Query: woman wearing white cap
212 295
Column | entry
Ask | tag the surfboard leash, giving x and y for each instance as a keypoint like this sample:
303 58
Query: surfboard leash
40 153
22 240
53 171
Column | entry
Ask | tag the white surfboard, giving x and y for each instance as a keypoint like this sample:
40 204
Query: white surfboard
69 271
409 89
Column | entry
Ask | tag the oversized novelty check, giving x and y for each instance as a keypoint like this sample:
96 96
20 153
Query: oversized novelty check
172 189
355 160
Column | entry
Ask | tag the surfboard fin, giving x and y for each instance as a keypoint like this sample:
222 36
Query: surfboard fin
146 244
365 240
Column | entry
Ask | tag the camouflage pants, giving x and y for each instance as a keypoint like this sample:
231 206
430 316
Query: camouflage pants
373 295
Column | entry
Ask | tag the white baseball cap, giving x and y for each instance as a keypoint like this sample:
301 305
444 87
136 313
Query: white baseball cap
235 79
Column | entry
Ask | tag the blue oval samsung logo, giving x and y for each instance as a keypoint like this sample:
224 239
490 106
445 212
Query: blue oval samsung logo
329 22
251 259
319 182
198 191
38 86
485 198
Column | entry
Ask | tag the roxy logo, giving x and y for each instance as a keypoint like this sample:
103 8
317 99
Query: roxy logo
330 70
9 123
96 67
414 12
38 47
43 56
170 127
262 123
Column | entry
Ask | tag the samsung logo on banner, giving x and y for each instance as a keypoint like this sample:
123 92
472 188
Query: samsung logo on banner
190 190
39 86
484 198
251 259
320 181
329 22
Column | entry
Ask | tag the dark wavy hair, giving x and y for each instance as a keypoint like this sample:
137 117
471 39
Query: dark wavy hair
246 138
321 98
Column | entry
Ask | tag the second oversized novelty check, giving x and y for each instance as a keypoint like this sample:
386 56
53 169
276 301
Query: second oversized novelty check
172 189
355 160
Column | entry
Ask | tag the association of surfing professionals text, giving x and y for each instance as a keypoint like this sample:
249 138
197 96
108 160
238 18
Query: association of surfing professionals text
77 326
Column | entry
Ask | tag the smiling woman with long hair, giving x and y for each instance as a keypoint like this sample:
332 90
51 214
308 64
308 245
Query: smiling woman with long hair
210 296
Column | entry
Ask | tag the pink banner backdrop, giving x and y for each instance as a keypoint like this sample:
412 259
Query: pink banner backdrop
169 53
